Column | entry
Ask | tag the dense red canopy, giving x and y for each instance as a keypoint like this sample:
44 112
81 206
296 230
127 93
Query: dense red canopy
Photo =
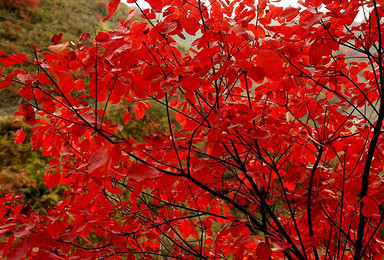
274 147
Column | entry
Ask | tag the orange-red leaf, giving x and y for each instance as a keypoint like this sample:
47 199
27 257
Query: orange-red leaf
140 109
190 83
289 13
61 49
19 136
131 16
97 160
140 172
166 27
190 25
14 59
259 133
51 180
47 104
137 27
127 117
102 37
139 112
270 62
5 84
310 19
112 7
157 5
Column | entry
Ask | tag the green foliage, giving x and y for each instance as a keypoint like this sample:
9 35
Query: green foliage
154 120
21 27
70 17
21 169
12 155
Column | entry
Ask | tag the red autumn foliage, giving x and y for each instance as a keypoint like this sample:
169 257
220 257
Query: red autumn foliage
277 152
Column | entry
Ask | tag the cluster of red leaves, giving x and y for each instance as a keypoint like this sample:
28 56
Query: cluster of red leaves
279 153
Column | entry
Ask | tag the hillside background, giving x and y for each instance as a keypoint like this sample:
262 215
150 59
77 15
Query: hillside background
27 22
24 23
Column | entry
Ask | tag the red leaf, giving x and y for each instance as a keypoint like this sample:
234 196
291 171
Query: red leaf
25 77
131 16
51 180
256 73
190 83
246 34
140 109
6 227
65 82
166 27
19 251
79 84
263 251
23 230
198 165
370 207
97 160
68 236
19 136
7 246
190 25
14 59
102 37
139 112
140 172
270 62
310 19
5 84
137 27
28 114
259 133
47 105
157 5
289 13
127 117
57 38
112 189
112 7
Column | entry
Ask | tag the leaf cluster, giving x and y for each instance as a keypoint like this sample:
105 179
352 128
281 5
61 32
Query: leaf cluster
271 146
